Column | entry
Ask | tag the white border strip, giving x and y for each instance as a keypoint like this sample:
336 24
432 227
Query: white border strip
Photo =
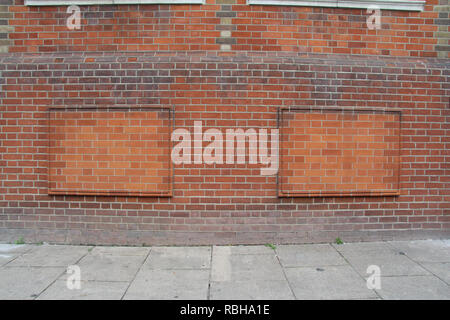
360 4
302 3
106 2
408 5
383 4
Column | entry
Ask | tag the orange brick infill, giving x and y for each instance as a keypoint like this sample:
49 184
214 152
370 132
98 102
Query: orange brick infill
110 151
336 152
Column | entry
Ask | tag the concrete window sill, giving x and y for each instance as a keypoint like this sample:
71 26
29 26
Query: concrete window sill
407 5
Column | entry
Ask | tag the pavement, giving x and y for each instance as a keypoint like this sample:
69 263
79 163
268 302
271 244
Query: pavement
367 270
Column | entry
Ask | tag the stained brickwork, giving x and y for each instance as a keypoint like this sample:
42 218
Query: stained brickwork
443 33
5 29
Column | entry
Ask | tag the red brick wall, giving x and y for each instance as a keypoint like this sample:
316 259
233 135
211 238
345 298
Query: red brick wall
183 57
222 203
222 23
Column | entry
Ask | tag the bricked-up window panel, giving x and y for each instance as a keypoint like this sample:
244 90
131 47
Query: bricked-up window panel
114 151
339 152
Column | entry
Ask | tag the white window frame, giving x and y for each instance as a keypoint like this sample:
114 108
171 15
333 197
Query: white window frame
107 2
407 5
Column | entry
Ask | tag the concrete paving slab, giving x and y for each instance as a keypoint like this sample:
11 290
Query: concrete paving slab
424 250
6 258
179 258
390 264
251 290
9 252
122 251
314 255
233 272
251 250
50 256
440 269
413 288
26 283
333 282
240 267
365 248
154 284
90 290
15 248
107 267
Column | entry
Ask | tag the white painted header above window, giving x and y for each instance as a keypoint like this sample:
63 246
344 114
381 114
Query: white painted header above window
106 2
409 5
